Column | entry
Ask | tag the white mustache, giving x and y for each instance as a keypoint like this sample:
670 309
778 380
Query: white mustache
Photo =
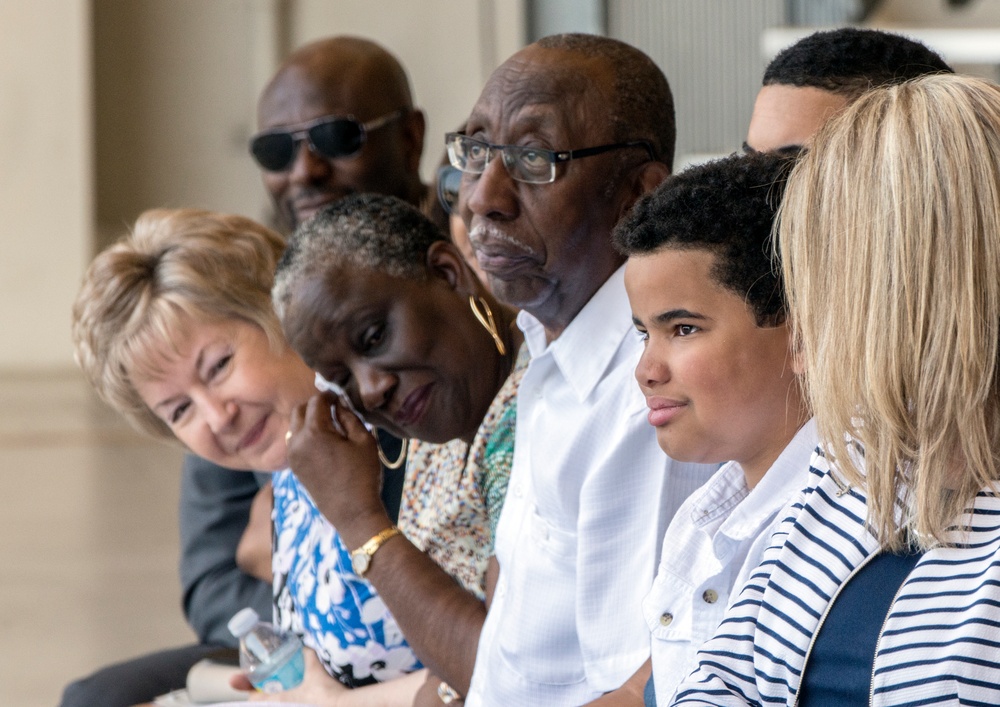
488 231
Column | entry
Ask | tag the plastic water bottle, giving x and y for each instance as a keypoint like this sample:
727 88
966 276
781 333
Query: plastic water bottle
269 657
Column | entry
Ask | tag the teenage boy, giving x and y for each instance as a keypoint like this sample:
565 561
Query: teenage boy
717 373
809 82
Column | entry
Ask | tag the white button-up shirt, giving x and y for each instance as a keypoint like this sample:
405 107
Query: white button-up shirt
714 541
590 495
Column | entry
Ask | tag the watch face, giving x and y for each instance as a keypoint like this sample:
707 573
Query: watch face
360 561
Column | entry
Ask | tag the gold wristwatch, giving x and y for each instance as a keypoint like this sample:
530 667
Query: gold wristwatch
361 559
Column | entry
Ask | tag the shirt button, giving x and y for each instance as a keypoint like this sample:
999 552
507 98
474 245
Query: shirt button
666 619
710 596
518 491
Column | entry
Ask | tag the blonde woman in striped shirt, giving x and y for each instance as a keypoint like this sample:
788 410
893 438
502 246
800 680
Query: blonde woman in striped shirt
883 584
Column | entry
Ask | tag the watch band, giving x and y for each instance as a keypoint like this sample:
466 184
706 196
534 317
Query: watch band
362 557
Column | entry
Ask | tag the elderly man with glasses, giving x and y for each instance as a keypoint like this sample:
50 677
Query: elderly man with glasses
566 135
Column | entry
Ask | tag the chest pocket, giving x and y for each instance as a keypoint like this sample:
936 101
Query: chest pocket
545 648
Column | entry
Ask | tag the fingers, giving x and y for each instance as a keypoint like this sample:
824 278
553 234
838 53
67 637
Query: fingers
297 419
350 423
239 681
325 415
315 417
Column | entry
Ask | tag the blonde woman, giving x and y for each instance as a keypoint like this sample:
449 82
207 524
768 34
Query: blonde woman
883 584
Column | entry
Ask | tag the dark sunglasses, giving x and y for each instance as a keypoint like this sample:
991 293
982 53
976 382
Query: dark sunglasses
331 136
449 179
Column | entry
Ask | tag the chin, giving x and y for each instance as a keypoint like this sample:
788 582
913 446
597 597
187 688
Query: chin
667 441
522 293
270 463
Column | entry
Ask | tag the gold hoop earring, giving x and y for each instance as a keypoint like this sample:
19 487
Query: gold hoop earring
488 322
385 460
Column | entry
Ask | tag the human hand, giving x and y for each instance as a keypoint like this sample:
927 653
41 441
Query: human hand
428 695
339 467
316 688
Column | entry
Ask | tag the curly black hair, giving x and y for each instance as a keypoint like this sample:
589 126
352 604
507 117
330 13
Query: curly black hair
850 60
726 206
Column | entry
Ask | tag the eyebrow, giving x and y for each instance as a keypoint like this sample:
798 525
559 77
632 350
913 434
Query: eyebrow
789 150
197 366
670 315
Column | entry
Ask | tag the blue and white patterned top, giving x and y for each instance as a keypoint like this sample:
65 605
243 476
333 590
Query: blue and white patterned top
318 596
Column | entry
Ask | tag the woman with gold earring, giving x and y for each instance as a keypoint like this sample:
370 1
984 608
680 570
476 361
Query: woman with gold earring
404 335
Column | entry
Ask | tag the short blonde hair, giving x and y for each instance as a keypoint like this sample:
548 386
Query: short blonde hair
175 264
889 237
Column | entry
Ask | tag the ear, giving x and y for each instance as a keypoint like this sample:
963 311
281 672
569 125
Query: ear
444 261
651 175
414 127
642 180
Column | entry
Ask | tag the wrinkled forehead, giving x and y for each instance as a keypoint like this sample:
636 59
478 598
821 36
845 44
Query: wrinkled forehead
546 91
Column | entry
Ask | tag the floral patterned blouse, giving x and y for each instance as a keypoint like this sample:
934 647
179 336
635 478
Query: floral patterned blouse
453 492
318 596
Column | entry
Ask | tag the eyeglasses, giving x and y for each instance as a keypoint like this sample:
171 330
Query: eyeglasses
533 165
449 179
330 136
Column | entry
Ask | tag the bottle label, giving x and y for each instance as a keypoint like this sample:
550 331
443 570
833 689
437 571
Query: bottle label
286 675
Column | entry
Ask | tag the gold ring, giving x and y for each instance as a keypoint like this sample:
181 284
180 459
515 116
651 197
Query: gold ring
288 437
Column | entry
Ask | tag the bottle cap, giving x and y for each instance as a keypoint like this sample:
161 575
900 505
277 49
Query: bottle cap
242 622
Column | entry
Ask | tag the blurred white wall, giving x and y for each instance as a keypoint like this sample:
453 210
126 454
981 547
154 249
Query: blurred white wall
46 203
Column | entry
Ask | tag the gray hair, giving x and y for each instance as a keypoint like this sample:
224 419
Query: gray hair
364 230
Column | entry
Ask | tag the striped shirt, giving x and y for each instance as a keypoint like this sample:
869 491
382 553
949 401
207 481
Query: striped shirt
940 643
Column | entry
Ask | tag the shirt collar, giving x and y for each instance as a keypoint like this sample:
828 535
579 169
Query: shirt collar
587 346
753 508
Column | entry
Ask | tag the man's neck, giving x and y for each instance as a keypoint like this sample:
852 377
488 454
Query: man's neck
562 308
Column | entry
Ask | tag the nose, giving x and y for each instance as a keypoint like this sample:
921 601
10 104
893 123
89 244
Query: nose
219 412
374 386
652 368
308 167
492 194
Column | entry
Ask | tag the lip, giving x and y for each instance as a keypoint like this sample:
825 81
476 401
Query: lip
501 263
307 206
499 254
412 409
663 410
253 435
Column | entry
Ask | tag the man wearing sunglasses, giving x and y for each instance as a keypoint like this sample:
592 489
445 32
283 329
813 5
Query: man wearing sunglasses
566 135
336 119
